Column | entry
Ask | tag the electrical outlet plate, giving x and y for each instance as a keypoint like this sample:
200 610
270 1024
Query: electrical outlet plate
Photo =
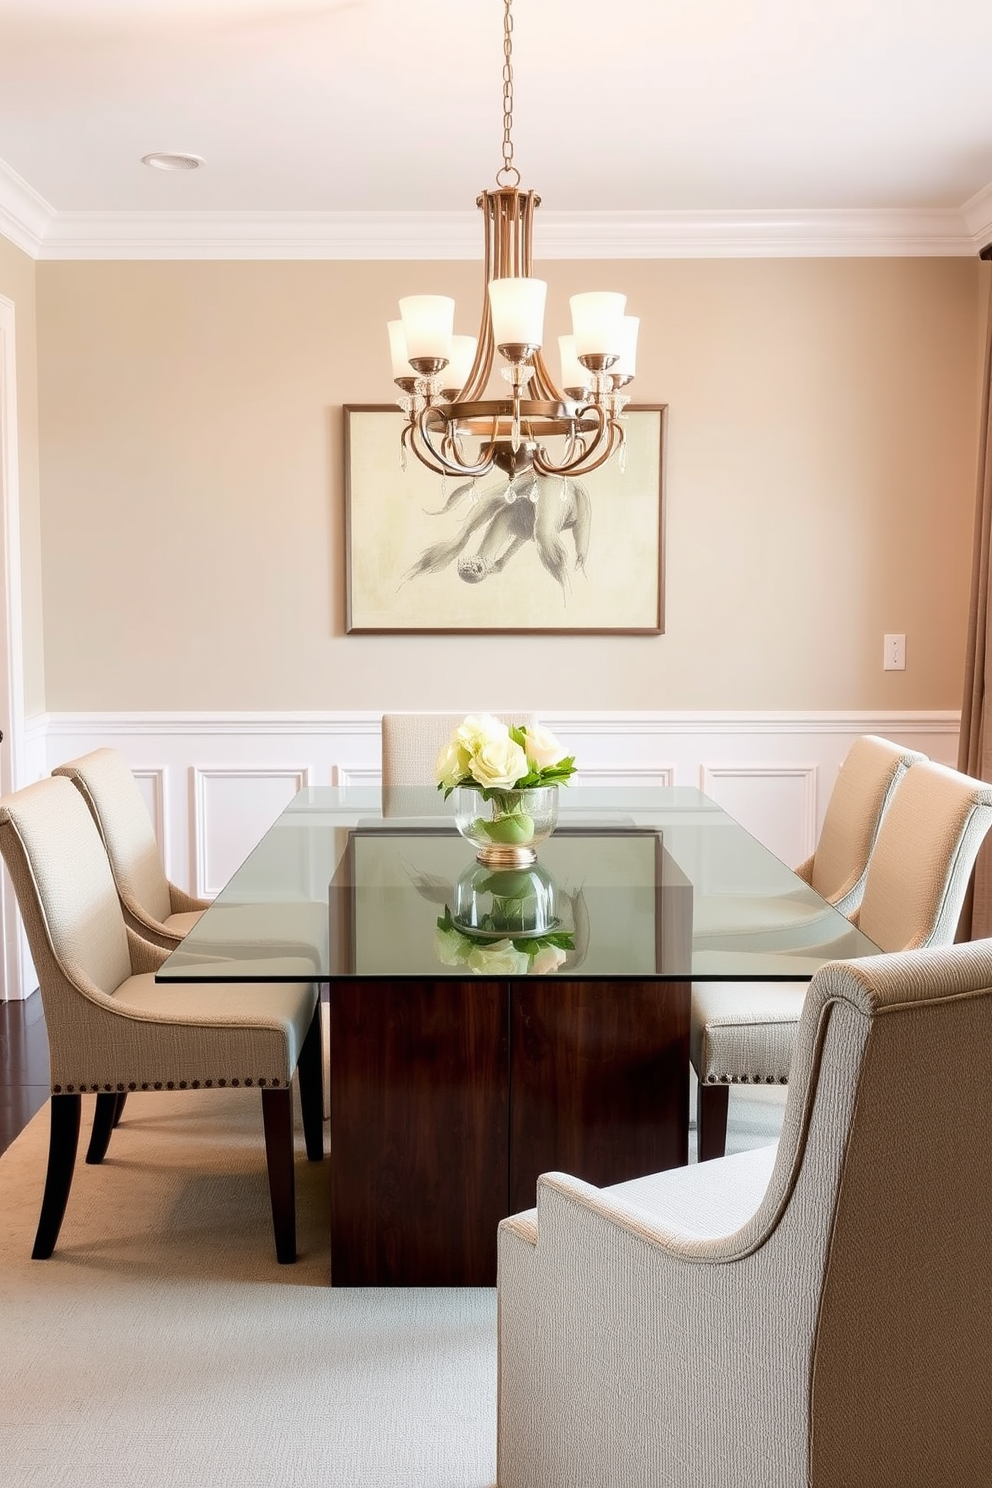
894 653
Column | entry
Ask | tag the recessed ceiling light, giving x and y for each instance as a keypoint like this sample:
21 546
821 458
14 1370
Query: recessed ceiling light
168 160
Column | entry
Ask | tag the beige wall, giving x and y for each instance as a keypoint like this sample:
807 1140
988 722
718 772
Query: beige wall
821 467
17 283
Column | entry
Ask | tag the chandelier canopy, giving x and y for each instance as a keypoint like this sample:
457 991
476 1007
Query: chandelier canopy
451 425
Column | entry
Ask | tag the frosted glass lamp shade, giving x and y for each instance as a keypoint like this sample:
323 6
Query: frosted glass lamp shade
626 366
596 321
427 325
397 350
517 307
462 357
573 374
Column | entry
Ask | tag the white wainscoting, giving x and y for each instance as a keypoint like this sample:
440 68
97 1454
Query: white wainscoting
214 782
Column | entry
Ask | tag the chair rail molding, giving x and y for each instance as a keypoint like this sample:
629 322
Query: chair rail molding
215 781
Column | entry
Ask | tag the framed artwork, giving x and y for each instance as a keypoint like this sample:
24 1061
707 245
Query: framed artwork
428 555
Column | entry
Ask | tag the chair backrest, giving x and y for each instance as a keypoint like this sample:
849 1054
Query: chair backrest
870 773
923 856
883 1169
105 782
411 743
65 891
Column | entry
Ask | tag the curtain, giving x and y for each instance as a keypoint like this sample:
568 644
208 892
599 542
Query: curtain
975 745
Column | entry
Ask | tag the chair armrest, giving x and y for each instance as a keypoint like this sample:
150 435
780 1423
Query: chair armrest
183 903
724 1200
605 1303
145 957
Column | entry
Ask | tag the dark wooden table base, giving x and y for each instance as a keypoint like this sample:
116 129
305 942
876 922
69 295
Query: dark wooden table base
449 1097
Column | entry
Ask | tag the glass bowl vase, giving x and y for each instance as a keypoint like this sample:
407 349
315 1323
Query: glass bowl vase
506 827
505 903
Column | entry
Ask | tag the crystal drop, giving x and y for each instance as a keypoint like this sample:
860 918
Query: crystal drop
510 495
533 492
622 458
563 493
444 489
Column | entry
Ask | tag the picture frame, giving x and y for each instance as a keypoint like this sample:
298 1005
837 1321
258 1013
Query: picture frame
426 555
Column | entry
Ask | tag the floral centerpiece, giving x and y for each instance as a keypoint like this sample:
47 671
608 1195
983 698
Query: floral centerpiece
506 777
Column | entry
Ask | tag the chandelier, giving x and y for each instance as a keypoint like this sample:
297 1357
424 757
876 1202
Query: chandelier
451 426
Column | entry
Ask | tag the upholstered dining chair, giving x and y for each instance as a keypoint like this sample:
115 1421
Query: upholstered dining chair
838 866
154 908
411 743
805 1315
113 1030
914 890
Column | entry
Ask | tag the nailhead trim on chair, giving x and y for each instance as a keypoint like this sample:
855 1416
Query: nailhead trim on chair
744 1080
167 1085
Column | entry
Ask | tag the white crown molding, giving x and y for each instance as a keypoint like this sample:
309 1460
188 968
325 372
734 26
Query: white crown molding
558 235
25 217
263 235
33 225
843 233
977 213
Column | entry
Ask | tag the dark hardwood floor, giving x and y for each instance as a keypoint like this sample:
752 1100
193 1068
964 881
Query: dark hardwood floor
24 1087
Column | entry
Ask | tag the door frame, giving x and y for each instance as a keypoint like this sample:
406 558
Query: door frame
14 963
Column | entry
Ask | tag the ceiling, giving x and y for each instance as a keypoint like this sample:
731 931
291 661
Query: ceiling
662 115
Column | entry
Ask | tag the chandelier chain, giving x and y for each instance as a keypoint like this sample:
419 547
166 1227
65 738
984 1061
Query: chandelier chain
507 175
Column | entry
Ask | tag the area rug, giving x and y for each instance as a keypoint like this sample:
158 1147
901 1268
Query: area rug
162 1346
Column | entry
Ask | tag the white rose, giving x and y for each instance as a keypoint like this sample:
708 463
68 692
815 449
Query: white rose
543 748
450 947
478 730
548 958
498 764
452 764
499 959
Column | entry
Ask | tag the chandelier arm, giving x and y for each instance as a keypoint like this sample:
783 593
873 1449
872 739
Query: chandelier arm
610 434
440 462
542 384
417 449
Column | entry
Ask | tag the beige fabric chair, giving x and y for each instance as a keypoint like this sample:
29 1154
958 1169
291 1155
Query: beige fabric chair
411 743
808 1315
153 907
917 879
836 870
113 1030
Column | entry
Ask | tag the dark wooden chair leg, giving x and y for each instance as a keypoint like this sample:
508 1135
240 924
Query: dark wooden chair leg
277 1119
711 1121
104 1121
311 1068
121 1098
62 1144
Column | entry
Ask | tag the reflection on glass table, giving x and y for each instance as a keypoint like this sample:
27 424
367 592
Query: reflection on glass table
651 879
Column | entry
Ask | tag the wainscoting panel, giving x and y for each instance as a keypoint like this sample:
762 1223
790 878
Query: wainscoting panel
233 808
153 785
215 782
776 802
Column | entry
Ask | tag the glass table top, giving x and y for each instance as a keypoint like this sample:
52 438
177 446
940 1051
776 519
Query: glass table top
642 883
